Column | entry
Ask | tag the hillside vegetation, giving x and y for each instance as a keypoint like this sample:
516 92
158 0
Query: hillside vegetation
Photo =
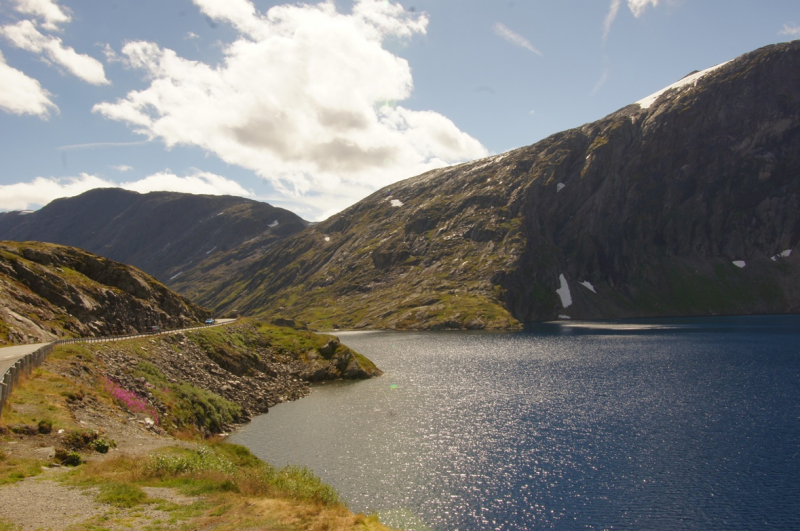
51 291
688 206
117 408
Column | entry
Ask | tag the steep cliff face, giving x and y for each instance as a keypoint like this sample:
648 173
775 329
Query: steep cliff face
49 291
685 204
169 235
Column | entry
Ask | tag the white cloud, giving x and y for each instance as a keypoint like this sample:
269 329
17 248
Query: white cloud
50 12
792 30
122 167
199 183
20 94
610 17
636 7
306 97
514 38
25 35
42 190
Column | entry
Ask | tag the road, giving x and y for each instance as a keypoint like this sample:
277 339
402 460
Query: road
9 355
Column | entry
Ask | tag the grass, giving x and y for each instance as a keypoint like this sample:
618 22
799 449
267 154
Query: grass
234 490
229 487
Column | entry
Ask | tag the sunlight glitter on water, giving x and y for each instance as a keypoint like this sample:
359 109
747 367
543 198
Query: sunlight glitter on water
549 430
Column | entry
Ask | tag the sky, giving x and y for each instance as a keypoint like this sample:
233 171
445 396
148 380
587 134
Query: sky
313 106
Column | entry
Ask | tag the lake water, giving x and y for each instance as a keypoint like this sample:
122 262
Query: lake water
648 425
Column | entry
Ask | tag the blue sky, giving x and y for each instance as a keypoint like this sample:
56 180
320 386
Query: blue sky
313 106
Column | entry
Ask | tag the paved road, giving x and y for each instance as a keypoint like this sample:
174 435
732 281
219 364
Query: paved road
8 355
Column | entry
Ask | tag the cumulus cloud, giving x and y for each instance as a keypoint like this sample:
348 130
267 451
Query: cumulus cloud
792 30
20 94
26 36
42 190
514 38
637 7
306 97
122 167
48 11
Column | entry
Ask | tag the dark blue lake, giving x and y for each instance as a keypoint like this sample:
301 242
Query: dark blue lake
661 424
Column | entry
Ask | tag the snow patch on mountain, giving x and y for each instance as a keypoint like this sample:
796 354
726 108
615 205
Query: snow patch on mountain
563 292
692 79
588 285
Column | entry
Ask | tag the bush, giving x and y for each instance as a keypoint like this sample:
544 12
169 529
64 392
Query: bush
79 439
102 445
45 427
68 458
197 460
24 429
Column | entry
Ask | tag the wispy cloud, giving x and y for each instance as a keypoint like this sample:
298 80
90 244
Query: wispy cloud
514 38
122 167
610 17
792 30
601 81
637 7
101 145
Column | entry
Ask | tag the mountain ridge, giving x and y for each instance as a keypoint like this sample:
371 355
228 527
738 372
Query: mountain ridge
649 205
167 234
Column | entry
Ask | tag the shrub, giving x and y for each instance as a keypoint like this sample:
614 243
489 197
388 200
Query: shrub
68 458
102 445
200 459
24 429
45 427
79 439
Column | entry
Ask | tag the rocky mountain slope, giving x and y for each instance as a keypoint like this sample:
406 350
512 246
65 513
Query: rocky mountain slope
49 291
166 234
687 203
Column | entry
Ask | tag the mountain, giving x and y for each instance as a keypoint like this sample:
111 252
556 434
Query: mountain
49 291
686 203
166 234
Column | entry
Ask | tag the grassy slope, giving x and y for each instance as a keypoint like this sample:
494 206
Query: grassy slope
234 489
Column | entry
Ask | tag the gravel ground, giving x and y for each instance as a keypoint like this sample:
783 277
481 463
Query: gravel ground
42 503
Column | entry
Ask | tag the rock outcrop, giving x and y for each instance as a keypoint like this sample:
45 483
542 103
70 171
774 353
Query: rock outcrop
685 204
50 291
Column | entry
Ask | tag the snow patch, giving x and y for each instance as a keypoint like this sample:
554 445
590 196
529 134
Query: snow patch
562 316
645 103
563 292
559 187
212 250
327 238
176 275
739 263
273 224
786 253
588 285
397 203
